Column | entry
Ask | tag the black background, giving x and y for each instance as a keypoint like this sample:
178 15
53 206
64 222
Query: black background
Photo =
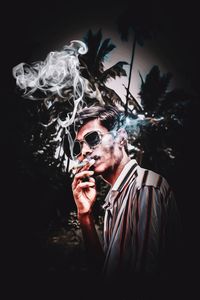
31 30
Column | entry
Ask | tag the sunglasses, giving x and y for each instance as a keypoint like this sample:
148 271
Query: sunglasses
92 139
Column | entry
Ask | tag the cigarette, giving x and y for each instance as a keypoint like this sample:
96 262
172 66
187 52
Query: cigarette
84 163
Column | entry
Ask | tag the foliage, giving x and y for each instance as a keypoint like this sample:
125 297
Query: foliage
98 52
162 127
93 68
153 90
143 25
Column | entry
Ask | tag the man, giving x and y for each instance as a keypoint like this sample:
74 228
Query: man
141 219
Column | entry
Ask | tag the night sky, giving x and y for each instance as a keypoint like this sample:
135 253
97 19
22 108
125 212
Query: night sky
31 30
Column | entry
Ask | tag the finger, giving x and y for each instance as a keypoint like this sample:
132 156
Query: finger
83 174
91 179
84 185
80 176
88 179
78 170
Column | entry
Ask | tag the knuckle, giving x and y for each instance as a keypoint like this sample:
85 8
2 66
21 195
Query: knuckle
76 176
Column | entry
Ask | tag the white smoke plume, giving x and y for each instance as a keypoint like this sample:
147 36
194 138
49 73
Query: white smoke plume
60 70
57 76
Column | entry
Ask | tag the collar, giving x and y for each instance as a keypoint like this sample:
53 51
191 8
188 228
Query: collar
124 175
119 184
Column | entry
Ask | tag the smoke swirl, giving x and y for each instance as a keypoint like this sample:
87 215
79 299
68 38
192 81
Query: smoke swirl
60 70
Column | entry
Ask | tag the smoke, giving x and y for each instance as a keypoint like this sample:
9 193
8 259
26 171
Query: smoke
57 78
60 70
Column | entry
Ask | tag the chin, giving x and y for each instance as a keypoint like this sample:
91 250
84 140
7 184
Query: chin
103 169
99 171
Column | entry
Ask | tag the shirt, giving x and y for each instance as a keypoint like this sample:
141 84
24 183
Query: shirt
141 217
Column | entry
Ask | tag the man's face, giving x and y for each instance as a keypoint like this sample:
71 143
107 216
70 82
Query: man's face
108 154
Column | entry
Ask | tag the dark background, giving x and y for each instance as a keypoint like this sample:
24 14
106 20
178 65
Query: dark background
32 29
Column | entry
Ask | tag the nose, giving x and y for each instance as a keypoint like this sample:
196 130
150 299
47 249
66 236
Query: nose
85 150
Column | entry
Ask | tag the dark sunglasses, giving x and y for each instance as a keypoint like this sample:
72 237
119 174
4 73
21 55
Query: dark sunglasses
92 139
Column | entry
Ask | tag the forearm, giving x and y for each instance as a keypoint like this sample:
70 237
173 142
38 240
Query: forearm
90 236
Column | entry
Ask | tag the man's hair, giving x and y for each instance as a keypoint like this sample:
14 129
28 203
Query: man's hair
109 116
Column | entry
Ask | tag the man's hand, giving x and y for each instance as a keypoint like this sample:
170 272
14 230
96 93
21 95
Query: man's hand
85 195
84 191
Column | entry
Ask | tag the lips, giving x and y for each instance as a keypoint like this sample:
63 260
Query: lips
97 161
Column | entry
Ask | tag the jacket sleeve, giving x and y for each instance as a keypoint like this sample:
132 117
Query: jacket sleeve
156 226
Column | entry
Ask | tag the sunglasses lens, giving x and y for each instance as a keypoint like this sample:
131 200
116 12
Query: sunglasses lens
92 139
76 148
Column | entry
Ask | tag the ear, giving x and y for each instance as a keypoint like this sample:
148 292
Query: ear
122 136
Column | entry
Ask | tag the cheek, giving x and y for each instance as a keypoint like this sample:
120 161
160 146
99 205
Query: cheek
107 142
107 152
104 150
111 156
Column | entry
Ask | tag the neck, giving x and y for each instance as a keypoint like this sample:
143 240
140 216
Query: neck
112 175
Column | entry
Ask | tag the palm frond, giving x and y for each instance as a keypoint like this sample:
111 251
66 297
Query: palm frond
114 71
93 42
143 25
105 48
110 97
142 80
124 24
153 88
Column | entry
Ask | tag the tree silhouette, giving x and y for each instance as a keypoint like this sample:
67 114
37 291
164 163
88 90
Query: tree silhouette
93 68
162 128
142 28
153 90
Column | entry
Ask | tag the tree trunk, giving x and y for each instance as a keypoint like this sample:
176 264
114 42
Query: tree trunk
130 72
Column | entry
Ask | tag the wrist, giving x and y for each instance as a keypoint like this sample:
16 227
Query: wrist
85 218
84 213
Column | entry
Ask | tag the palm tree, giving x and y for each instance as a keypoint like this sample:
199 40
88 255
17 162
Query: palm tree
133 103
93 69
153 90
162 132
142 28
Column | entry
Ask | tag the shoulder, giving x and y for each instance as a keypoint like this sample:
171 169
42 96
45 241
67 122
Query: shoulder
148 178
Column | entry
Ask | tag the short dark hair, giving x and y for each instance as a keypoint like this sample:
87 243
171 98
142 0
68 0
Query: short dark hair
109 116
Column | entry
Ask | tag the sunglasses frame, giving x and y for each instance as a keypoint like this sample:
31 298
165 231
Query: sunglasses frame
67 147
84 140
